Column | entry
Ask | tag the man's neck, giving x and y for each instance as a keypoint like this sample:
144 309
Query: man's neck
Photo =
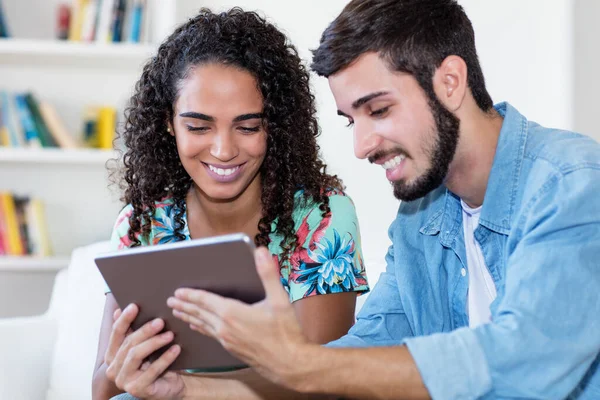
470 170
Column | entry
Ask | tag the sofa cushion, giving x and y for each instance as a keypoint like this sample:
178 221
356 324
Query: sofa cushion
79 321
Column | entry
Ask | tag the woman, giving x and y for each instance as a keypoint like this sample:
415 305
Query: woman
221 138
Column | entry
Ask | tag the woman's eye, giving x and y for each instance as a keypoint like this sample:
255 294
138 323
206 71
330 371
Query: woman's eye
350 123
198 129
379 112
249 129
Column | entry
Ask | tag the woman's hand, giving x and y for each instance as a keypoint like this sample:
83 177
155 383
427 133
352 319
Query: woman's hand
266 335
127 351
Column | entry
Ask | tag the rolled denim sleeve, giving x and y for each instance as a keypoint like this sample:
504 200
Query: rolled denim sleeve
381 321
544 335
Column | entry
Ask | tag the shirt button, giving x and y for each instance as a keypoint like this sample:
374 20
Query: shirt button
463 272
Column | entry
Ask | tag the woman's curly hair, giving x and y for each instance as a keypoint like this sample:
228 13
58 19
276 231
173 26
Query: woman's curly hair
150 167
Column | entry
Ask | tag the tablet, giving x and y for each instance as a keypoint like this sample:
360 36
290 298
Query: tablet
148 275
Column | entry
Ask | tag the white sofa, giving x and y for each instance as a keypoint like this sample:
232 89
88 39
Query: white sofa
51 356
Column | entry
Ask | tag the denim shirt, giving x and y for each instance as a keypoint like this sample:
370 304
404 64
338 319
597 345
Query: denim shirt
539 233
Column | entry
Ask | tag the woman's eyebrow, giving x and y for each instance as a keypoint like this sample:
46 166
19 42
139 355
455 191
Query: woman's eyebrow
197 115
245 117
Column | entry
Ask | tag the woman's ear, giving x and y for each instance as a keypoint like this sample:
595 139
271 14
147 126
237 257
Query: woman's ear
450 82
170 129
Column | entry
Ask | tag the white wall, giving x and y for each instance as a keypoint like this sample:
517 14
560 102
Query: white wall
525 49
587 59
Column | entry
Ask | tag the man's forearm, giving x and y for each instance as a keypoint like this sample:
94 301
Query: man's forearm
365 373
245 384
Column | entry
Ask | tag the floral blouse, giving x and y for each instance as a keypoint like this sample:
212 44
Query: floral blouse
328 258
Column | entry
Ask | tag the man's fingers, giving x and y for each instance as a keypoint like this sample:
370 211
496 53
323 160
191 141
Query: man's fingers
270 277
194 314
207 324
203 300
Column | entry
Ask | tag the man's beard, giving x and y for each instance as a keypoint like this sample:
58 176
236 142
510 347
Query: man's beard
440 155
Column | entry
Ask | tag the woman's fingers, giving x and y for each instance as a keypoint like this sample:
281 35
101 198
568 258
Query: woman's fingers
136 355
144 384
147 331
123 321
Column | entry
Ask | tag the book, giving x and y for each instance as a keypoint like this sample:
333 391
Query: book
103 28
4 135
118 20
37 228
4 33
88 25
20 204
77 16
55 126
32 137
3 234
11 120
40 126
136 18
63 21
11 225
106 127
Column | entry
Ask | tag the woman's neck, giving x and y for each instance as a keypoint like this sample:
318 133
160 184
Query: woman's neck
210 217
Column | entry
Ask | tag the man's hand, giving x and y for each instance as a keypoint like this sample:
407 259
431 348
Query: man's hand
266 335
127 351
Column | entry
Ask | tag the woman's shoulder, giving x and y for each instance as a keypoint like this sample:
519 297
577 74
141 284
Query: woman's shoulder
163 213
339 202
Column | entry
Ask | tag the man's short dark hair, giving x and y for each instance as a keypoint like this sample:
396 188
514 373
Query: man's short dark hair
414 36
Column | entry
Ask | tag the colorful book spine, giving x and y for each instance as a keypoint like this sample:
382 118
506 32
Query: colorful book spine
88 26
37 228
106 127
11 120
4 33
103 29
3 233
55 126
32 137
4 134
11 223
136 15
40 126
118 20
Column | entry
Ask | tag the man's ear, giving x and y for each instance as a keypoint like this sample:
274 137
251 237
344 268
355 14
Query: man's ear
450 82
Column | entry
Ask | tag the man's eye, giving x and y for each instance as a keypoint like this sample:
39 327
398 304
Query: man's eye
379 112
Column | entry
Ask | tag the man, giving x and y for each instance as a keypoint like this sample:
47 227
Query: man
492 280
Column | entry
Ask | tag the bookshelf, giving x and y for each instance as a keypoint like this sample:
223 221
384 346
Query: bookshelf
51 156
57 156
41 51
33 264
80 204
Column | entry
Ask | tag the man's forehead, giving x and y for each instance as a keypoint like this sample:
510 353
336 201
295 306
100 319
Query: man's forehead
368 74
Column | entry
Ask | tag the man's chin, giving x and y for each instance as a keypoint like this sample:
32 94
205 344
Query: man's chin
404 192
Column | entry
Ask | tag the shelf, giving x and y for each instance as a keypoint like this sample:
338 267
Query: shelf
41 51
56 156
28 263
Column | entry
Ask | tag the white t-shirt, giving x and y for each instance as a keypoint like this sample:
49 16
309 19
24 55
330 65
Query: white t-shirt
482 290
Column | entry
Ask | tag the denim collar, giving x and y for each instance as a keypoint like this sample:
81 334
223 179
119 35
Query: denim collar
503 184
